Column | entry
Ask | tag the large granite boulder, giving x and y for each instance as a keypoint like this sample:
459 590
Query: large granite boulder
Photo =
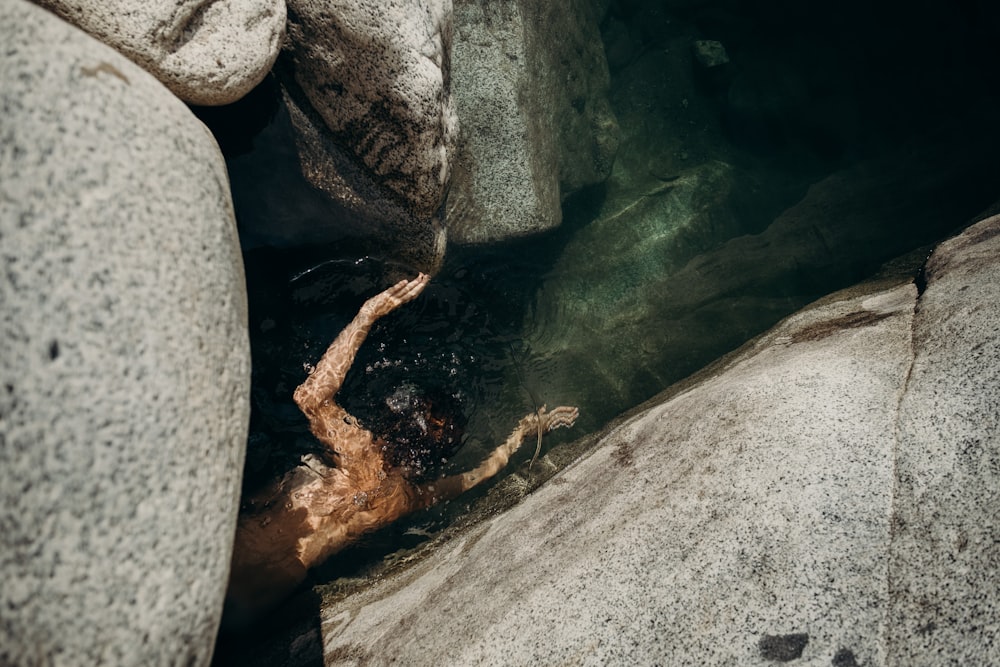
205 52
378 75
124 371
531 84
367 90
946 521
826 495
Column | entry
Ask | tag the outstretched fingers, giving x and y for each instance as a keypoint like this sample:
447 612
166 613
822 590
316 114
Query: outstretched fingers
402 292
407 290
563 416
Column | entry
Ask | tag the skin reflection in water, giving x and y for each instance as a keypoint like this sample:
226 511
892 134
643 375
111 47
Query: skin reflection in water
316 509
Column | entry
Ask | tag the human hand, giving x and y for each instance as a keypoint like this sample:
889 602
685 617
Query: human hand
563 416
389 300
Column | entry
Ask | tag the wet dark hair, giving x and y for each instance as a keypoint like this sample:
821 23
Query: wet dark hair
419 430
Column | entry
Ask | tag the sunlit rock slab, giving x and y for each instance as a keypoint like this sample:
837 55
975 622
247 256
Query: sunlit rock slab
760 515
946 548
205 51
124 363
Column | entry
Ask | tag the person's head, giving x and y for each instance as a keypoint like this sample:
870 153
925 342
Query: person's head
420 430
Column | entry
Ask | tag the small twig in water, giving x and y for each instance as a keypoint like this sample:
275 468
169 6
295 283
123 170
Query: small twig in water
534 403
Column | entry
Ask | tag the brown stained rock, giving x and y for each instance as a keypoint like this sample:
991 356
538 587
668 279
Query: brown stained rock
378 75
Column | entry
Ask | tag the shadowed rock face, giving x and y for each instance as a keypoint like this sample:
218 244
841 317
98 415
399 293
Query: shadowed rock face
206 51
367 87
124 370
378 74
828 493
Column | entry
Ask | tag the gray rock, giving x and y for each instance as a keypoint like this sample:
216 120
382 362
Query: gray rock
807 498
531 84
205 52
343 201
124 369
366 107
298 188
709 53
377 74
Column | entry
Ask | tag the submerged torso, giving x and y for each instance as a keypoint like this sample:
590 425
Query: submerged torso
313 512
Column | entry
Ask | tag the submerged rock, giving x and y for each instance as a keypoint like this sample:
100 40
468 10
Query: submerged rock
639 301
531 84
709 53
205 52
124 371
824 494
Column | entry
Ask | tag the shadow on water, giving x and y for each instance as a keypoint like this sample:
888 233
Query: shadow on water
462 337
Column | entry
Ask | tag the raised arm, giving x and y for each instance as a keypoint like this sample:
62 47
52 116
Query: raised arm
328 376
450 487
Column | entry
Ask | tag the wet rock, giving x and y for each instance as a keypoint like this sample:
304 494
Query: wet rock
709 53
205 52
124 375
343 199
609 341
377 74
531 83
618 46
367 87
757 515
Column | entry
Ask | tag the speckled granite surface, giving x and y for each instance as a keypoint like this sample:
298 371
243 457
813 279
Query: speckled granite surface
945 560
206 53
124 361
826 497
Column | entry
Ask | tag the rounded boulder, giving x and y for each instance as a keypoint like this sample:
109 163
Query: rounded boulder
124 371
207 52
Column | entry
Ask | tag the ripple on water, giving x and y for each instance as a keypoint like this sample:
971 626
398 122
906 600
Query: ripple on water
461 338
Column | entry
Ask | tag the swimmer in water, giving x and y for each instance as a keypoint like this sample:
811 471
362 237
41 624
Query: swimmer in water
316 510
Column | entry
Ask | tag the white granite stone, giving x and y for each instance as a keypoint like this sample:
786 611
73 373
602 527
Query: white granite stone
756 504
124 367
206 51
945 561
